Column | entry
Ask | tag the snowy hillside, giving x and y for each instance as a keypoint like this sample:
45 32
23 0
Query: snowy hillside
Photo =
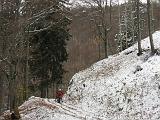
123 87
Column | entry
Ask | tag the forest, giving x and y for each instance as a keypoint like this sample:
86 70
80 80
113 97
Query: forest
43 43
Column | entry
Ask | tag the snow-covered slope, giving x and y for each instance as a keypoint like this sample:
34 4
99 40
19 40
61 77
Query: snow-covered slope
122 87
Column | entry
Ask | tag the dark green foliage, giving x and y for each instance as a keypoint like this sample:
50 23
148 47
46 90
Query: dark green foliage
48 50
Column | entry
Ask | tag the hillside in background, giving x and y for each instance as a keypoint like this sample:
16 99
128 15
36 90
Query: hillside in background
121 87
83 48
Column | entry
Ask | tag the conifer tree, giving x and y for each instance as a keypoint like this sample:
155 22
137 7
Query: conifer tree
48 36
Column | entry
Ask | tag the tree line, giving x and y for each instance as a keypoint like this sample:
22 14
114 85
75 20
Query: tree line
88 33
33 40
87 44
133 16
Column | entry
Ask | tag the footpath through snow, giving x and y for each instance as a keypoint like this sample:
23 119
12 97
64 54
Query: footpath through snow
122 87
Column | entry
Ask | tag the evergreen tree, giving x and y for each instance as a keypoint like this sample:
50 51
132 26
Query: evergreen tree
48 36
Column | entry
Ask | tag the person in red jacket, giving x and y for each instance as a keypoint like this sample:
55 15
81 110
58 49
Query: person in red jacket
59 95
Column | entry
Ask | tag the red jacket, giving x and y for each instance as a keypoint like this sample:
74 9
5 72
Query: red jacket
59 94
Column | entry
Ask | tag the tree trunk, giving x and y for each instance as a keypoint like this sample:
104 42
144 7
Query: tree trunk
126 25
149 27
43 91
26 72
138 29
1 92
99 51
132 18
12 87
106 48
120 29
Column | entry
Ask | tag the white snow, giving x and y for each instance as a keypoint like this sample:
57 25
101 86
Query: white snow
122 87
114 89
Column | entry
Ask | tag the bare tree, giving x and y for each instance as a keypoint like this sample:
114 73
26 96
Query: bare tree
138 27
99 17
150 27
120 27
